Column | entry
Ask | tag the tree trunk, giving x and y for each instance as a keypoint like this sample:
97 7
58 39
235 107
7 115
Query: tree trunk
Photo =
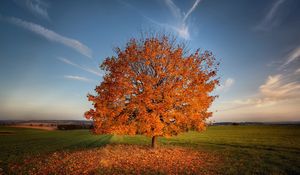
154 142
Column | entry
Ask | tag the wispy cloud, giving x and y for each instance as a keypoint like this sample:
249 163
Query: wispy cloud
174 9
276 88
36 7
269 20
226 85
292 56
191 10
284 85
182 27
52 36
87 69
79 78
281 87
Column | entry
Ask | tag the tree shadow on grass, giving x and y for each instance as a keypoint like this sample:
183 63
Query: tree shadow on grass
230 145
256 147
102 141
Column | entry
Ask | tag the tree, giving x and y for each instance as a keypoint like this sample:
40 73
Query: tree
154 87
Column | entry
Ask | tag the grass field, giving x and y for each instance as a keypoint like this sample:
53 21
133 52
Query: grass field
242 149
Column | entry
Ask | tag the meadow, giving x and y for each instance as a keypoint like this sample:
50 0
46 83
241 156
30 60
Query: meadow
261 149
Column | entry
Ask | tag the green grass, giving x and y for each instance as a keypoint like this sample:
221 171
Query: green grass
243 149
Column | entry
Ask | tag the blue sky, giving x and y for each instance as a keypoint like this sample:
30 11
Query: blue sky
50 52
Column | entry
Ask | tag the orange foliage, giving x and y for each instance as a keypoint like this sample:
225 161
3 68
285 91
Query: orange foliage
121 159
153 87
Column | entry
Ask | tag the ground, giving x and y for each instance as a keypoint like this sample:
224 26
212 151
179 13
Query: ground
219 150
49 128
121 159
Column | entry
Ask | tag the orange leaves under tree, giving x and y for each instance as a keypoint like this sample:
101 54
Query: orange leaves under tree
155 88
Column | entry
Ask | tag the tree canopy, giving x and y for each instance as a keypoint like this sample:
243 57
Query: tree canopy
154 87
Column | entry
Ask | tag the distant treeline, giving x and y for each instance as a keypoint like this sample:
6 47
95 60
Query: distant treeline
255 123
59 124
83 124
73 126
45 122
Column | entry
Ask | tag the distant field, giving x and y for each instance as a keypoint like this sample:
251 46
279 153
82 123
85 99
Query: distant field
242 149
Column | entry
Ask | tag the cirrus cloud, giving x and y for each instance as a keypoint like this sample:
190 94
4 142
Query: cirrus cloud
292 56
37 7
182 28
79 78
51 35
87 69
269 20
276 88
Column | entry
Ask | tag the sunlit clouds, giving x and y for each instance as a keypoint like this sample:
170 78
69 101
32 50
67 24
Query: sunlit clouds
277 97
276 88
277 94
281 87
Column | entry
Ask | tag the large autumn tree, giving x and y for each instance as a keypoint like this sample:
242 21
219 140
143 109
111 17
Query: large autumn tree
154 87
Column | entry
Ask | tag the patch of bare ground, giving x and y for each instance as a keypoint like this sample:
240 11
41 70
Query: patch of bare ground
48 128
122 159
6 133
